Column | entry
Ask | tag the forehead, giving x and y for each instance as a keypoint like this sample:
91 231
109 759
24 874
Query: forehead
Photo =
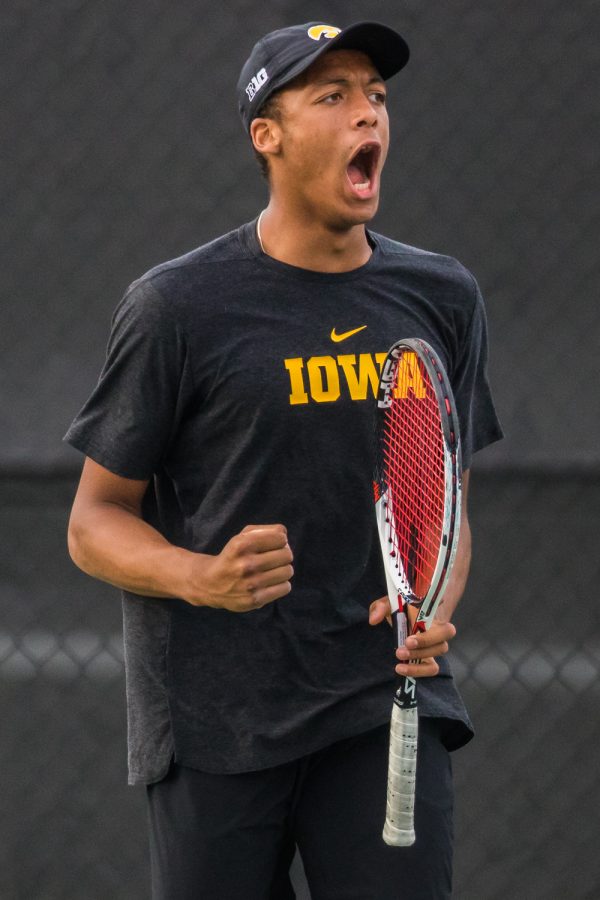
340 63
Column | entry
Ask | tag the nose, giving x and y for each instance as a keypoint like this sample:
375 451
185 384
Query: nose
365 114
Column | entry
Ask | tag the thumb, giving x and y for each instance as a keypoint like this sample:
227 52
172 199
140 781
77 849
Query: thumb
379 610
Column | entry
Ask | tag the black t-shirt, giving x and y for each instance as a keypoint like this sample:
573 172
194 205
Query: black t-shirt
243 388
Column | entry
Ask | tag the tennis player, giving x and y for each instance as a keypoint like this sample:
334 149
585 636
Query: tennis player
226 490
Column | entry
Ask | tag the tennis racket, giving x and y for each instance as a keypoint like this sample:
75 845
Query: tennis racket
417 487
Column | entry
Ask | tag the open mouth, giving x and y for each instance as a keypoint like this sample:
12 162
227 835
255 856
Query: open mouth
362 167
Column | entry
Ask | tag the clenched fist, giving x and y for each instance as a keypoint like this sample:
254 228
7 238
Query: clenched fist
253 569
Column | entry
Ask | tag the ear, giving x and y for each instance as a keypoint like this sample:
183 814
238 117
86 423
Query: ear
266 136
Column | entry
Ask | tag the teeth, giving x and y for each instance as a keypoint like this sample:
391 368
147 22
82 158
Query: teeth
363 186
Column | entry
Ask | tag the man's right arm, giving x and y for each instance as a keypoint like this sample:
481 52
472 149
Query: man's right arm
108 539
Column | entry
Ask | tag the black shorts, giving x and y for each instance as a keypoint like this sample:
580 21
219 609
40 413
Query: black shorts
223 837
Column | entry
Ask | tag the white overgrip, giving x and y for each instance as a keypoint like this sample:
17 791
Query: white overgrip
399 828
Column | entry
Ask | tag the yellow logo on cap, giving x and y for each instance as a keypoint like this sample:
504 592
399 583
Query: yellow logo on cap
319 31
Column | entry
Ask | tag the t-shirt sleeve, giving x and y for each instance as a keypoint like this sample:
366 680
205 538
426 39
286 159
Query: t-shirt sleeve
131 416
479 424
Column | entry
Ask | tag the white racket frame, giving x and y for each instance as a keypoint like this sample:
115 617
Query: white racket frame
399 828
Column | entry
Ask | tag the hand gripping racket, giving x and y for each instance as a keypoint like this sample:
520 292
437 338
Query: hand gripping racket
417 487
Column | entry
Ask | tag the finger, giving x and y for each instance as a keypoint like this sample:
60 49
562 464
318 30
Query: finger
270 578
268 560
439 633
405 655
277 527
267 595
426 668
261 540
446 630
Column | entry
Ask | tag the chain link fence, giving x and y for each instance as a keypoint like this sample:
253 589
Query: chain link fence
123 148
527 658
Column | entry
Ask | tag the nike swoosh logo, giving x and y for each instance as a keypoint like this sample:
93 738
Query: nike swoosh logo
342 337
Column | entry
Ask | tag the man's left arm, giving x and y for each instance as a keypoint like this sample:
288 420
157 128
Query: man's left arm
416 658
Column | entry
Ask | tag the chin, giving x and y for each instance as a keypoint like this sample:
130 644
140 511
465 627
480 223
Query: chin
347 212
363 214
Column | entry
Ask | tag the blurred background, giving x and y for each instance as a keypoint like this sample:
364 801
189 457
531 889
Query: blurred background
122 148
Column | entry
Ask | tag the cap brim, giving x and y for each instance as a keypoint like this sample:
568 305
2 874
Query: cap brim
387 50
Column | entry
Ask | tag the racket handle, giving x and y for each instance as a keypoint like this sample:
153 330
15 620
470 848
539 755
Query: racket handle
399 829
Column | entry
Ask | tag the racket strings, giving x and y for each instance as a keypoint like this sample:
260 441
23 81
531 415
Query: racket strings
414 470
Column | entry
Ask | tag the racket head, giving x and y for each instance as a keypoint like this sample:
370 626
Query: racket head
417 476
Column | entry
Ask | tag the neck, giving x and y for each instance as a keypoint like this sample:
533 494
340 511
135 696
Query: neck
309 244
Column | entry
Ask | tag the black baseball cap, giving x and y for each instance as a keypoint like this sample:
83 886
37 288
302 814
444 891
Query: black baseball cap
282 55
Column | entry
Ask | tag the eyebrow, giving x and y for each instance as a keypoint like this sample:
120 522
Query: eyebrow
339 79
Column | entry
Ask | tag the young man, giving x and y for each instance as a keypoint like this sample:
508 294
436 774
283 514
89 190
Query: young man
226 490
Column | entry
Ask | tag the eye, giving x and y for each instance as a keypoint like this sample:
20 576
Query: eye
378 97
334 97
